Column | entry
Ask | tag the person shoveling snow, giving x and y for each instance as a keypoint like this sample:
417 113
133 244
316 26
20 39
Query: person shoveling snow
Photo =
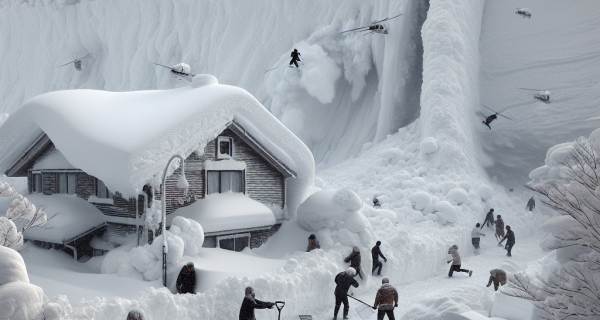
249 304
343 281
386 300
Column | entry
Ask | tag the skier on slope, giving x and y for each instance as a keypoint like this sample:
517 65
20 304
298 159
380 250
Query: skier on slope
489 120
510 235
530 204
249 304
498 276
354 259
456 262
375 253
343 281
499 229
295 58
476 237
186 281
386 299
489 219
313 243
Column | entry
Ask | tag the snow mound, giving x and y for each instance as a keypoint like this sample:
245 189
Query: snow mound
337 211
429 145
21 301
511 308
456 301
12 266
420 199
202 80
458 195
185 237
485 192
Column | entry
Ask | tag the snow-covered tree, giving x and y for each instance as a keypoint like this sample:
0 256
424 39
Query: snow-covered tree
570 184
20 208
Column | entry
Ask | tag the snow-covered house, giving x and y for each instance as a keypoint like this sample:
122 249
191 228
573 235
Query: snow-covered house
98 158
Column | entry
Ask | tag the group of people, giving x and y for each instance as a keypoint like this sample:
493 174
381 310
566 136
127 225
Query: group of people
500 235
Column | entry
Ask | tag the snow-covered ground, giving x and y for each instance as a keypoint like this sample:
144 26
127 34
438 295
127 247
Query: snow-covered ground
363 105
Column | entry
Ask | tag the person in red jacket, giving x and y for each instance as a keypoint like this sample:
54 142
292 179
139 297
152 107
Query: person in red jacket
386 299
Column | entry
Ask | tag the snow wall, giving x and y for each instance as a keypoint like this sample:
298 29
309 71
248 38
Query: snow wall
354 89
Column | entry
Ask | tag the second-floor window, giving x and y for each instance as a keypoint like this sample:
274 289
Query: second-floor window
224 148
224 181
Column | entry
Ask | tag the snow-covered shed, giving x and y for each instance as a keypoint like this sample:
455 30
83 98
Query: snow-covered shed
111 149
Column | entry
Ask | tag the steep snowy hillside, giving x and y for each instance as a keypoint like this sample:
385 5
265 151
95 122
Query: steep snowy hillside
353 89
558 49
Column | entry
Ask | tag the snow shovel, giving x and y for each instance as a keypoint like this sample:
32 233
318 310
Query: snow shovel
279 305
364 310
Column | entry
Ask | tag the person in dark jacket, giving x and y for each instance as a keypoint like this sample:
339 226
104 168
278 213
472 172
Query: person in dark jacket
295 58
530 204
249 304
376 203
375 253
186 281
499 229
313 243
510 235
354 259
386 299
343 281
134 315
498 276
489 219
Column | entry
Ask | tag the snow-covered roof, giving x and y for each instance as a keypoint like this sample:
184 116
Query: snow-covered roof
75 216
126 138
226 211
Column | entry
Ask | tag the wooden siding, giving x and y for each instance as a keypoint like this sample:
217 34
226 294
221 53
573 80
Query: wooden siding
257 238
49 183
120 207
263 182
85 185
117 233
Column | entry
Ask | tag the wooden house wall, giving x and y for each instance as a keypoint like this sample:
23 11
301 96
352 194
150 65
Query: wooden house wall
262 183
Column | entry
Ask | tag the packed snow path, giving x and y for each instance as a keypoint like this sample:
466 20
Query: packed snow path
419 299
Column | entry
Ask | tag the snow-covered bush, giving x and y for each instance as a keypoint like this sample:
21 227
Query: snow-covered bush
184 238
19 299
571 287
20 208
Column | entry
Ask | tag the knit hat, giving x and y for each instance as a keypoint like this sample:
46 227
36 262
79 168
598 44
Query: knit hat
249 291
385 280
134 315
351 271
190 265
498 216
378 243
455 247
312 236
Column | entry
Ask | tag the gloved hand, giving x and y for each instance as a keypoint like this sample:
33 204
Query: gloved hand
396 305
488 285
271 305
373 307
385 260
449 261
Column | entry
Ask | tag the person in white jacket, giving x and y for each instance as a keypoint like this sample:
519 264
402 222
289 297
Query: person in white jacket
475 237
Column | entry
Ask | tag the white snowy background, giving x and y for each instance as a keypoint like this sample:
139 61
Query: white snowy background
391 116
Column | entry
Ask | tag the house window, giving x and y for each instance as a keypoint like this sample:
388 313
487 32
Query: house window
224 181
67 183
235 242
102 191
224 148
37 183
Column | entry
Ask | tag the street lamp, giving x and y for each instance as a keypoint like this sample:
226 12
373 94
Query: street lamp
182 183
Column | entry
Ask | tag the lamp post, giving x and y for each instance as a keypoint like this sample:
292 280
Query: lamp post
182 183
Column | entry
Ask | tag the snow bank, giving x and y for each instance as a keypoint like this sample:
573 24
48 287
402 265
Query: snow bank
226 211
19 299
335 213
511 308
456 301
429 145
185 237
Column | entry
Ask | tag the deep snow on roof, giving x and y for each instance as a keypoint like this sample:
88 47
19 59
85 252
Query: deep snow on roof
227 211
126 138
75 216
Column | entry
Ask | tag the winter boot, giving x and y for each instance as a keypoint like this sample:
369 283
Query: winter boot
470 273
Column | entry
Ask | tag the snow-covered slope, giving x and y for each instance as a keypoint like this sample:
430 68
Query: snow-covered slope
236 42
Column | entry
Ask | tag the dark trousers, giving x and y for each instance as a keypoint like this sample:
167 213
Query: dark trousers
509 246
475 242
294 61
382 313
456 267
377 264
338 301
